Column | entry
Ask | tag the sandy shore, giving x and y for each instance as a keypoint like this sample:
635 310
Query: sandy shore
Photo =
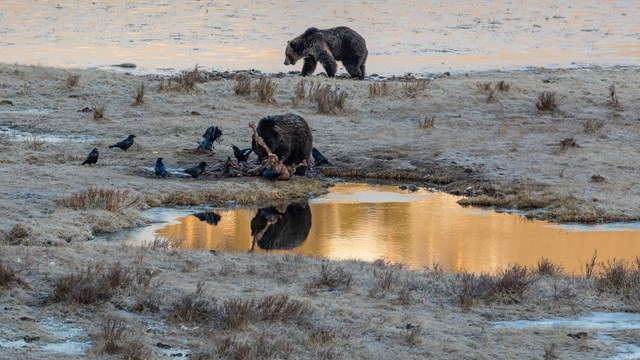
494 145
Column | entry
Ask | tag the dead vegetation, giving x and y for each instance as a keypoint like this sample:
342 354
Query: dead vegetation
104 199
8 276
186 82
332 278
503 86
547 101
139 96
299 92
381 88
427 123
546 267
614 102
35 143
593 126
508 286
73 80
242 85
94 284
414 88
330 101
18 232
524 198
266 89
99 108
566 144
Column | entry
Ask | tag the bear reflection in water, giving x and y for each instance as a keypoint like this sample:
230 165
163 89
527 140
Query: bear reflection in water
281 227
209 217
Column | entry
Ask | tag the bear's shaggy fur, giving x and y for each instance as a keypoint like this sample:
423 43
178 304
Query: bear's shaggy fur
288 136
326 47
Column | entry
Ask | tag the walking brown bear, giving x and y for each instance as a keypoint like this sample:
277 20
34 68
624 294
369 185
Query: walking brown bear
326 47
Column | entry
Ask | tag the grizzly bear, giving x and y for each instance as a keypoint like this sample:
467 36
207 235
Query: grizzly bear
288 136
273 229
328 46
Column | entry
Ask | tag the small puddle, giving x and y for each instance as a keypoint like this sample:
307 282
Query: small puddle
605 321
19 136
64 338
368 222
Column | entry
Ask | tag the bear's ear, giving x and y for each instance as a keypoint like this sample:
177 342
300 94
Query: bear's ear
297 47
310 31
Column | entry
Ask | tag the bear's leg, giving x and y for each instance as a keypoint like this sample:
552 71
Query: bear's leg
328 63
309 66
354 69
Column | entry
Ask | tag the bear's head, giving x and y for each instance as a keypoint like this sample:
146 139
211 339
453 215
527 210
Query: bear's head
296 48
293 52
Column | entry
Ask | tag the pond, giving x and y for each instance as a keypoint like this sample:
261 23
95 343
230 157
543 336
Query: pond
418 229
409 36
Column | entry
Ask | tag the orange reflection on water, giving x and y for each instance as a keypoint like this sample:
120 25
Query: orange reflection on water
417 229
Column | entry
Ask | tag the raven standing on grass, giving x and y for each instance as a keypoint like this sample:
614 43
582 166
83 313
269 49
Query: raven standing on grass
92 158
196 170
318 158
159 168
124 144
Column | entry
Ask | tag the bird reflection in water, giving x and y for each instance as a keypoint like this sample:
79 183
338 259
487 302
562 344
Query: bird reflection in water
281 227
209 217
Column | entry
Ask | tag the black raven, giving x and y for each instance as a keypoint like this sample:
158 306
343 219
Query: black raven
241 155
124 144
92 158
318 158
196 170
159 168
212 134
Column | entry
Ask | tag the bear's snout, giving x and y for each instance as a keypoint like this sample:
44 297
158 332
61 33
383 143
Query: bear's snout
286 61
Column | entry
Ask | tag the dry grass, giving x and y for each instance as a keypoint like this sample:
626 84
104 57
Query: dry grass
332 278
191 308
508 286
164 243
105 199
112 334
99 108
413 335
17 234
550 352
382 88
503 86
484 86
427 123
590 265
492 96
235 313
614 102
242 85
139 96
135 349
329 101
91 285
546 267
299 92
547 101
8 276
414 88
592 126
518 198
35 143
566 144
266 89
73 80
185 82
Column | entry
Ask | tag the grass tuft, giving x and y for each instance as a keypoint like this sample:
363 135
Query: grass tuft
8 276
592 126
139 96
112 333
242 85
615 103
99 109
547 101
184 82
266 89
414 88
35 143
104 199
503 86
73 80
17 234
334 279
91 285
330 101
190 308
427 123
382 88
546 267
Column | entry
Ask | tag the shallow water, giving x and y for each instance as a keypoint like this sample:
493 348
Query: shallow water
409 36
417 229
